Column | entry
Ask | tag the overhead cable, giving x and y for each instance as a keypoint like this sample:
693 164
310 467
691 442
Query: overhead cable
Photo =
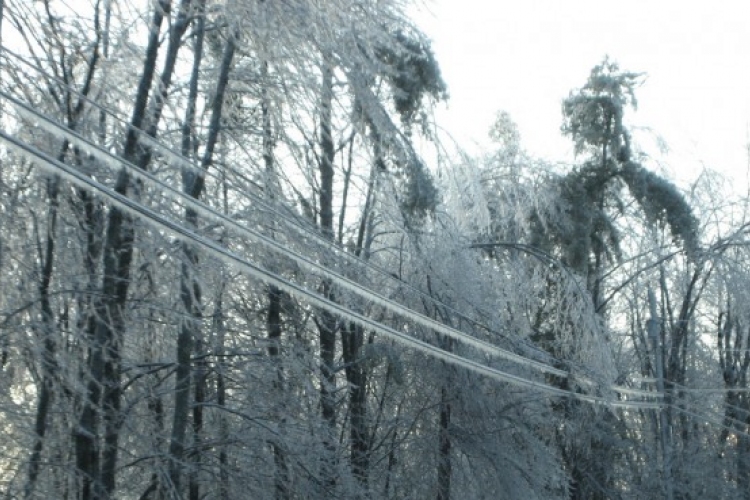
186 235
208 212
290 221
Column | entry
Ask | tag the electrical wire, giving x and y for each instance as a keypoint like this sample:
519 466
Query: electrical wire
705 390
180 232
204 210
290 220
305 231
208 212
107 158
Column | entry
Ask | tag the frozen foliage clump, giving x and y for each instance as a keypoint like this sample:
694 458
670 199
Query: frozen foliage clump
419 195
413 73
585 226
593 114
662 202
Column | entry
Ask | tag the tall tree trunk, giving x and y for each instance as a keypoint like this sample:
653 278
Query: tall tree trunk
199 399
221 394
352 339
654 332
49 361
220 367
191 293
444 455
47 258
273 324
445 464
98 477
273 317
326 322
734 361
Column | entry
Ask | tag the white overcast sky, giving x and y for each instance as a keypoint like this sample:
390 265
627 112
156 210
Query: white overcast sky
524 56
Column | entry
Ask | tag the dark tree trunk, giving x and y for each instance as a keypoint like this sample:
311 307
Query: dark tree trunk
49 362
47 256
201 374
326 322
352 339
445 464
273 318
191 293
98 475
273 324
221 392
444 456
734 360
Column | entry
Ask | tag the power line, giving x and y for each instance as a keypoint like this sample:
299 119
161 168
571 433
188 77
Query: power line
290 220
106 157
223 254
211 214
206 211
684 388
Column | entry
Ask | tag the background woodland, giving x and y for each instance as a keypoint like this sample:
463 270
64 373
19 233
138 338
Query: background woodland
239 260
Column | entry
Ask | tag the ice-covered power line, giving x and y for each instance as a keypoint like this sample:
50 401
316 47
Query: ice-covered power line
290 220
107 159
714 419
697 390
209 213
309 264
212 248
697 409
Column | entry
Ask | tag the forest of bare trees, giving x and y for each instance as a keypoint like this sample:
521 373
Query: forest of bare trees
238 260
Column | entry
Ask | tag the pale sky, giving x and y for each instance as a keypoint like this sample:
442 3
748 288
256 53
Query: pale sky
525 56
